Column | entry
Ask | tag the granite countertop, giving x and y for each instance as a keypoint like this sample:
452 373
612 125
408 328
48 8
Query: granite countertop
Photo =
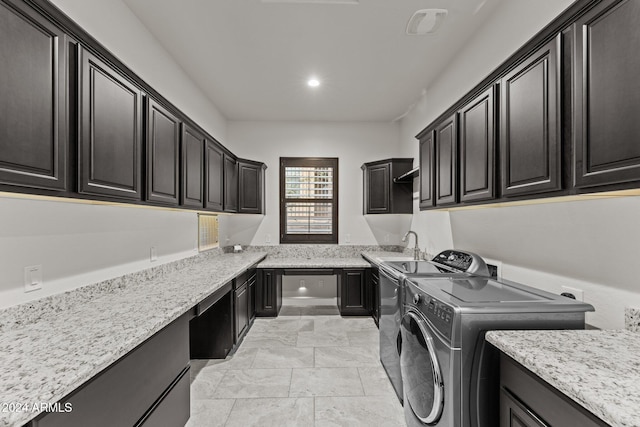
598 369
378 257
47 355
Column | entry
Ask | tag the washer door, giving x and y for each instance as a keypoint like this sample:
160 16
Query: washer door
421 373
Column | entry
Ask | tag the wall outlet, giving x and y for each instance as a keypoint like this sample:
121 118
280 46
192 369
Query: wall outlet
153 254
267 238
386 238
32 278
347 238
578 293
321 283
302 285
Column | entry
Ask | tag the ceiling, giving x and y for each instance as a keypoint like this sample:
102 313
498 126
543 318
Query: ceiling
253 58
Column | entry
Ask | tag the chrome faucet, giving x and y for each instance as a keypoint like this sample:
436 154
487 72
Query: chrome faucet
416 250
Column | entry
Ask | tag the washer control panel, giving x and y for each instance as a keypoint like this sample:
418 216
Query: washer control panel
440 314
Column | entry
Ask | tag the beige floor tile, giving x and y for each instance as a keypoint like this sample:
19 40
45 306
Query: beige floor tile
322 339
375 382
241 359
281 325
284 357
249 383
272 412
270 339
376 411
209 412
325 382
344 324
346 357
364 338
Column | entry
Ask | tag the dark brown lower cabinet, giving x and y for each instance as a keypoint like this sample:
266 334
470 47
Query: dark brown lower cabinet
375 295
149 383
528 401
269 292
353 295
241 311
252 296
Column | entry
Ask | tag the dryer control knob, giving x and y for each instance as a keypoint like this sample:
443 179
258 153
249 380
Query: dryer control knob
416 299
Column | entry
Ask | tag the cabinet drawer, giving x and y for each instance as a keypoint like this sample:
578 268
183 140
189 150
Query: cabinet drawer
124 392
173 409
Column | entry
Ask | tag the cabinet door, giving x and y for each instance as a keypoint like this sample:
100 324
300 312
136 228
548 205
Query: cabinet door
375 297
250 187
607 105
446 162
514 414
33 110
377 180
268 293
530 140
230 184
192 174
427 168
215 176
162 155
252 296
110 131
477 142
241 310
352 292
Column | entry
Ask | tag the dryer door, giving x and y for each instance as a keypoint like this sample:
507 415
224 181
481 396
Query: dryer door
422 376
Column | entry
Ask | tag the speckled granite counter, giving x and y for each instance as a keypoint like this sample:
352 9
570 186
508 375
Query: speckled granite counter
50 347
378 257
598 369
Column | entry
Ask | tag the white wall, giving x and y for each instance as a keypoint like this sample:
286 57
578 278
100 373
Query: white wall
114 25
589 245
79 244
353 144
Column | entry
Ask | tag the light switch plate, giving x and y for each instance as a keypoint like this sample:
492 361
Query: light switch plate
32 278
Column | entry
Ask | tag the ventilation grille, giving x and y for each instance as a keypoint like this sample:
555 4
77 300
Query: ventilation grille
426 21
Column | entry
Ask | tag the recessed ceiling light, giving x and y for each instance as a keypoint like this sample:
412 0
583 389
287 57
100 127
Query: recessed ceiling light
313 82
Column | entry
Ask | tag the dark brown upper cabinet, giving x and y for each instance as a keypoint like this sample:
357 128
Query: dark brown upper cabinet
250 187
162 155
214 158
33 109
230 183
192 175
607 95
530 125
477 148
427 168
446 161
381 194
110 146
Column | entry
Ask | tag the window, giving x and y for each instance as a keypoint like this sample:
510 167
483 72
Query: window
308 200
207 232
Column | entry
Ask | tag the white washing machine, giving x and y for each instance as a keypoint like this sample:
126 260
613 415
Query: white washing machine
450 374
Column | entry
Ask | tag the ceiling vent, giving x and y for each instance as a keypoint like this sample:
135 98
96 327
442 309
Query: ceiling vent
425 21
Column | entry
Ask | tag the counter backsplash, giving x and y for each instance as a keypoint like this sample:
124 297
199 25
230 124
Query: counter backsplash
32 311
321 251
632 319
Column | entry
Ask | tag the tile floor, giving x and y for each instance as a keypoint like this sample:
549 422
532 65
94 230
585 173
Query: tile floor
308 367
